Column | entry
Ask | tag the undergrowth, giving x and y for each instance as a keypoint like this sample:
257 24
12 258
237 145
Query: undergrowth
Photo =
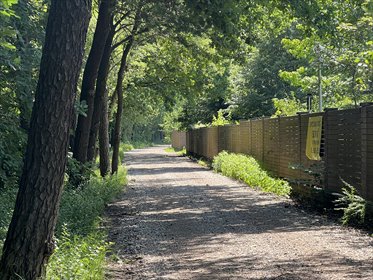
7 201
124 147
78 257
180 152
248 170
356 210
81 245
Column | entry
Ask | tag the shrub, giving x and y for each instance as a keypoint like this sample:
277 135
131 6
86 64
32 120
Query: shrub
248 170
77 173
352 205
77 257
81 247
124 147
81 207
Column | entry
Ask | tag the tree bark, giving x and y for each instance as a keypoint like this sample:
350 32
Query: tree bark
89 79
29 241
101 91
104 138
118 116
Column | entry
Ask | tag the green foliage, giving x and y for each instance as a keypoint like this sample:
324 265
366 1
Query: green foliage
5 29
248 170
81 247
77 173
352 205
78 257
220 120
124 147
81 207
257 82
12 144
341 49
181 152
287 106
7 201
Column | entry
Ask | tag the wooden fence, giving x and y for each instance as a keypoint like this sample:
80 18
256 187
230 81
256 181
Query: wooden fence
178 139
280 143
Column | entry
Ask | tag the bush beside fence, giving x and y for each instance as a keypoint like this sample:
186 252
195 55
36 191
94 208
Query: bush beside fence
280 143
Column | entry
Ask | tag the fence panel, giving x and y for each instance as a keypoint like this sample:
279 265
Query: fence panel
304 161
222 140
245 137
289 147
257 139
178 139
271 145
346 145
367 152
213 142
343 148
228 137
235 139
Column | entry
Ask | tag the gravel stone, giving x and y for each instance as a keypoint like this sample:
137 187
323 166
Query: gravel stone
178 220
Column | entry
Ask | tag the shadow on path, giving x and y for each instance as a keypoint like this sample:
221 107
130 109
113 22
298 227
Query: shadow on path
180 221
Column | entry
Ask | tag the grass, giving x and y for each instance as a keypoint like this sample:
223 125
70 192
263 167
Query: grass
81 244
180 152
124 147
248 170
78 257
81 207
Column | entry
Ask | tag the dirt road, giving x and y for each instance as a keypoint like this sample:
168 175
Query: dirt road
178 220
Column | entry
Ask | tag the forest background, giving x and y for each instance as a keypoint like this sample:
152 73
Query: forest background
166 65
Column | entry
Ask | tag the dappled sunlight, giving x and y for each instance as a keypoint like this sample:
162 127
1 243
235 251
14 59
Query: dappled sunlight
181 221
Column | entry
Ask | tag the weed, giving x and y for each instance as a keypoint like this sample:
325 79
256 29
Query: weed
248 170
180 152
352 205
81 248
78 257
81 207
124 147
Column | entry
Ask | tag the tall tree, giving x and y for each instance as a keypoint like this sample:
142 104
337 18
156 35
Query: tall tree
101 110
100 94
118 115
29 241
89 79
119 92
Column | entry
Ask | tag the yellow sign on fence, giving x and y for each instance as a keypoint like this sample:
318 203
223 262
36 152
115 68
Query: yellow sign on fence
314 138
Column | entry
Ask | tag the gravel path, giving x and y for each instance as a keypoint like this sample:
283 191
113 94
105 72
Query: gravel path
178 220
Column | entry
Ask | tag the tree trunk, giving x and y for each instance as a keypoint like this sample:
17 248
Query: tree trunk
101 91
89 79
104 138
118 116
29 241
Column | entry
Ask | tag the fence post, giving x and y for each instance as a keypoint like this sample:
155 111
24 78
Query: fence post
263 154
326 148
364 151
326 143
300 143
